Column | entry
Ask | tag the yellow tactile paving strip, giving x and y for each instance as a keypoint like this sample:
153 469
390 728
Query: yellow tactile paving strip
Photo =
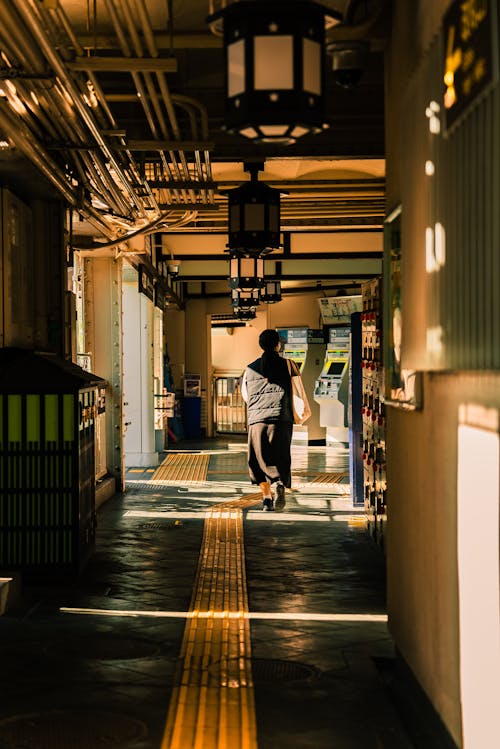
212 705
182 468
329 478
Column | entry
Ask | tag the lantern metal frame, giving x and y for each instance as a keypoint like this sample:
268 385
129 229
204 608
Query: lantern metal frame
275 68
270 293
245 299
253 215
241 313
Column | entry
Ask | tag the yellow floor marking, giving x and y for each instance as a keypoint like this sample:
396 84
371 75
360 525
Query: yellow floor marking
135 470
182 468
329 478
212 704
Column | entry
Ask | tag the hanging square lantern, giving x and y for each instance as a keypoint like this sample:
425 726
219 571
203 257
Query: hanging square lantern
271 291
245 314
246 273
244 299
253 215
275 68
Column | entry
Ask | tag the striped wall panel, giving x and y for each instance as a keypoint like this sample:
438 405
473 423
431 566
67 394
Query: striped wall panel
450 291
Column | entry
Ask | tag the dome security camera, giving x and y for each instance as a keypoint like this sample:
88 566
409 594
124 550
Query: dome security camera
173 268
348 62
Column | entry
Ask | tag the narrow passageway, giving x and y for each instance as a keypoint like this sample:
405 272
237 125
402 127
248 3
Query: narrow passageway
201 621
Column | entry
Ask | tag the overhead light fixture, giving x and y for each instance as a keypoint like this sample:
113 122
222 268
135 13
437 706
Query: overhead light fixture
246 273
244 299
275 68
271 291
253 215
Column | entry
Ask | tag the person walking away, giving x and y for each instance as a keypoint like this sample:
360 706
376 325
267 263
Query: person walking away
267 391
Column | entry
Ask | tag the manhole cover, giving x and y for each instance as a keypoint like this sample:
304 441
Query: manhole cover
269 669
69 729
105 648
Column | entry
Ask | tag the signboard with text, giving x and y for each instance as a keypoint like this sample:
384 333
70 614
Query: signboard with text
468 57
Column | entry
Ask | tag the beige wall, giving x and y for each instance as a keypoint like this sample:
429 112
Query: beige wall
231 353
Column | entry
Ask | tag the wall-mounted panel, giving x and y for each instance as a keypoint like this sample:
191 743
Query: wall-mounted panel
450 229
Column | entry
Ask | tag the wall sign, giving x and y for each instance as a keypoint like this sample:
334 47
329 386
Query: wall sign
146 283
160 295
338 309
468 58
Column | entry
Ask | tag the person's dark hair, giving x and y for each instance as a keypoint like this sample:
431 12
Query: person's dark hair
268 340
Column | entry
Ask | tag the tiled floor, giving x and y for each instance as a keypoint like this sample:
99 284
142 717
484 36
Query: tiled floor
93 663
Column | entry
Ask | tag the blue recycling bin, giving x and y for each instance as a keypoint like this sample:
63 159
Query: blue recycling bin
191 417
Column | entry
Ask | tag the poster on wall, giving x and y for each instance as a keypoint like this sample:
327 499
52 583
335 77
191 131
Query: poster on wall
338 309
403 387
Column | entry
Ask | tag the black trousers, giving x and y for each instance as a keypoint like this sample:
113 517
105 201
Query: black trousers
269 457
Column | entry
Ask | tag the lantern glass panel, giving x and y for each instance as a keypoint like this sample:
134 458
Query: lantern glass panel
298 131
247 267
249 132
236 68
274 218
234 218
273 63
254 217
260 269
312 66
273 130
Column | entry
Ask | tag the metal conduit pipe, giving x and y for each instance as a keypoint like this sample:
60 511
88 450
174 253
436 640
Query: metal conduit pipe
38 32
153 51
204 132
99 185
126 50
29 59
64 21
16 34
22 138
154 100
148 229
135 76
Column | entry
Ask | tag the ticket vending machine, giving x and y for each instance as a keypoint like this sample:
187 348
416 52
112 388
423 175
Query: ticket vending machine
306 348
331 391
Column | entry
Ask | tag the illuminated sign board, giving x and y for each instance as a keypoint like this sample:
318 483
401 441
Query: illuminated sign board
468 62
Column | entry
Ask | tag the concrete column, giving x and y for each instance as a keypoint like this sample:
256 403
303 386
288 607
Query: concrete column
102 309
138 373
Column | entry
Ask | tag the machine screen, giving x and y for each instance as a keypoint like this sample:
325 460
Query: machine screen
336 368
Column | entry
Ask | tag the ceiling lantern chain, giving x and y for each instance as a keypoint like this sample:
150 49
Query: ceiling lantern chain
274 68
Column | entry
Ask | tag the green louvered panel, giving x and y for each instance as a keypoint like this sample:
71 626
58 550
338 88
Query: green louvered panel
39 480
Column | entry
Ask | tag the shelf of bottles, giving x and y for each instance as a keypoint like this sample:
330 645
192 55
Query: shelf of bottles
373 410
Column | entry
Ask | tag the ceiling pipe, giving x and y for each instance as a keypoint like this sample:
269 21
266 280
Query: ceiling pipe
22 139
57 65
144 230
127 51
64 21
164 89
